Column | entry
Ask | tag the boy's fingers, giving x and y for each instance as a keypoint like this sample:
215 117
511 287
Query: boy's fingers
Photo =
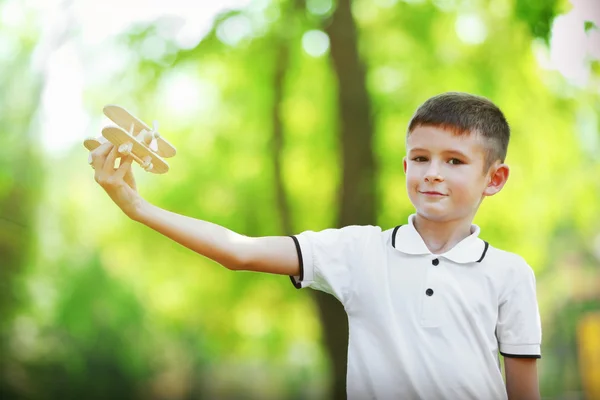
102 150
129 179
123 159
98 155
109 164
124 167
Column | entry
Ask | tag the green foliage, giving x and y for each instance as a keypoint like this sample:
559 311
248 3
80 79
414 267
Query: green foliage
96 342
538 15
20 176
589 25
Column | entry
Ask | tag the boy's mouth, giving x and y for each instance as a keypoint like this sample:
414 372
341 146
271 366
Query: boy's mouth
432 193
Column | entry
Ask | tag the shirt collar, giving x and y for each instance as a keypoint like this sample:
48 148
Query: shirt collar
406 239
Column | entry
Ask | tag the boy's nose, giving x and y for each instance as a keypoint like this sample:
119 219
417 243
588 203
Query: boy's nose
433 174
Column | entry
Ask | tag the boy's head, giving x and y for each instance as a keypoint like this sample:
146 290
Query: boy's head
456 146
466 114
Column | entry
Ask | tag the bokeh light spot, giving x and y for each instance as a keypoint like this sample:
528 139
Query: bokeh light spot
315 43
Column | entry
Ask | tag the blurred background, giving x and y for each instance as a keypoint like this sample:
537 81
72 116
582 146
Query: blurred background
287 115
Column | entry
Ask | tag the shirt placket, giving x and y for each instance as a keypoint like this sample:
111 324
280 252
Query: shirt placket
431 299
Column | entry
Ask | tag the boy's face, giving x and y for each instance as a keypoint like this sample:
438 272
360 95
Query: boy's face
445 177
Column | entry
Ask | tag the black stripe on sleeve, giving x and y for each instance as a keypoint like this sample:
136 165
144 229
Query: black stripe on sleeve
297 285
521 355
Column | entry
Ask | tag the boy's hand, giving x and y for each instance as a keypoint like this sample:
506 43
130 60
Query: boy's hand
119 182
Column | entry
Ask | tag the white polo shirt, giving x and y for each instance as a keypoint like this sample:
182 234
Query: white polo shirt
423 326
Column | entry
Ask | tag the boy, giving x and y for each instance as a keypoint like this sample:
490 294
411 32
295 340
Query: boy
429 303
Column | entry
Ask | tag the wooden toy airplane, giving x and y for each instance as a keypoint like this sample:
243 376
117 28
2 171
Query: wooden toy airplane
133 137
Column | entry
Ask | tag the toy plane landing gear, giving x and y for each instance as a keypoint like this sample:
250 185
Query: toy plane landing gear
133 137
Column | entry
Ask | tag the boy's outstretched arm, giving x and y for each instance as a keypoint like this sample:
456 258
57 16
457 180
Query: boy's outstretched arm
275 254
521 378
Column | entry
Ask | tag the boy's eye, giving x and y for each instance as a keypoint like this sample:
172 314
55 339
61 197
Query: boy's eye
455 161
419 159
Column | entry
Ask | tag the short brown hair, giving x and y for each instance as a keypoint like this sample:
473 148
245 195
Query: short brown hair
462 114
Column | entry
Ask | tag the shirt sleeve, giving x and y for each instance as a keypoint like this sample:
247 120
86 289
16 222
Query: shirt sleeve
329 258
519 329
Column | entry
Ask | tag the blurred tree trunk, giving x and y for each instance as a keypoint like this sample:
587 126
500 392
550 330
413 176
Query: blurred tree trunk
282 61
357 195
356 203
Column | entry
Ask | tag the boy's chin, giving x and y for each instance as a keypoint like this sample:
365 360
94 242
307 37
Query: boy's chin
435 214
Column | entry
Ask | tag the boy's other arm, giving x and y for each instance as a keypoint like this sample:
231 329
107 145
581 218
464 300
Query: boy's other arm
521 378
275 254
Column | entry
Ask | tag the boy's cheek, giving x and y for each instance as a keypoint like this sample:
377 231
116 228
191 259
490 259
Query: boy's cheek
411 184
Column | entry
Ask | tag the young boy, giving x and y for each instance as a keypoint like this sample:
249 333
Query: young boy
429 303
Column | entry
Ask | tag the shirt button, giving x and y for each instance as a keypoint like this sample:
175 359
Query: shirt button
435 261
429 292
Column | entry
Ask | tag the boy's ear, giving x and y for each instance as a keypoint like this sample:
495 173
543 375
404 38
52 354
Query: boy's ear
497 180
404 163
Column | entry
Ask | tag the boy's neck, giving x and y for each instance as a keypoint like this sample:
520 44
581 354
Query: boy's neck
439 237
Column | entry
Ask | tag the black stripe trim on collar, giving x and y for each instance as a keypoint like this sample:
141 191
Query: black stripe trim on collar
485 249
521 355
394 236
298 285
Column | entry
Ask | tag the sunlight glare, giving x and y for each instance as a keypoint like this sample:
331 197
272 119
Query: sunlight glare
570 47
184 94
315 43
63 117
9 47
234 29
93 44
471 29
12 14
